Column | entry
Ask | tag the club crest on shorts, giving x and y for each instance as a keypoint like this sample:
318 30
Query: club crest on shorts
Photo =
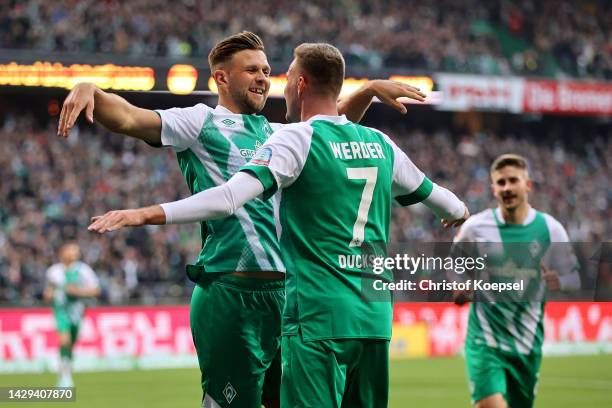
229 393
262 156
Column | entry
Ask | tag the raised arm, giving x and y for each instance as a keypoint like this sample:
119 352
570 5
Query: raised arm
355 105
111 111
217 202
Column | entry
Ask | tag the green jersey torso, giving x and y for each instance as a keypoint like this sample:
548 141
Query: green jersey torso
515 252
60 277
211 145
337 179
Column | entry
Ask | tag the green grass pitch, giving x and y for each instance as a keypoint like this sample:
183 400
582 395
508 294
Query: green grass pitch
584 381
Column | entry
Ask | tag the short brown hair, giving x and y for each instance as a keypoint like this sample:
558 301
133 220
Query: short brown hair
226 48
510 159
324 64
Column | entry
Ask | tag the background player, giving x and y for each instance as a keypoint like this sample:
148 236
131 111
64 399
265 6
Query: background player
503 346
239 272
337 180
69 283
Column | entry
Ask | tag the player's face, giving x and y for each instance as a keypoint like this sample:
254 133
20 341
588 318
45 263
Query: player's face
292 94
510 186
248 80
70 253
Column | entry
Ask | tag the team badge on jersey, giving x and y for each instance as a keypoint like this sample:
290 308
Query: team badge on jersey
267 129
262 156
534 248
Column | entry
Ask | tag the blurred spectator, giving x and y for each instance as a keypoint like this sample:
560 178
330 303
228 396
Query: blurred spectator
418 35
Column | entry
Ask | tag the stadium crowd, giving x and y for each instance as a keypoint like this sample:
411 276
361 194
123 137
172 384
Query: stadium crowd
50 187
478 36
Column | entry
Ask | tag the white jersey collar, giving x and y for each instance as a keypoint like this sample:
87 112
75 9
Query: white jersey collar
339 120
223 110
531 214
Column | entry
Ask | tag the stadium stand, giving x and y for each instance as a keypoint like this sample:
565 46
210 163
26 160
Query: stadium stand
544 38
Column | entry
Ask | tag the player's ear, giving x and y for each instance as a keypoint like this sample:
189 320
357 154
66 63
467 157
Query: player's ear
220 77
301 85
528 183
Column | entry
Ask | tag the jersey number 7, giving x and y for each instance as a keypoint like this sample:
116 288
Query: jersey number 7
369 174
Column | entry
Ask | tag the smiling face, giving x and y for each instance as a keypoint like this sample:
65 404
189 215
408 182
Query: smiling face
510 186
245 80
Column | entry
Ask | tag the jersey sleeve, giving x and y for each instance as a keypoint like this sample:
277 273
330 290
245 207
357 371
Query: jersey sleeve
88 277
279 162
277 126
560 256
51 276
181 127
410 186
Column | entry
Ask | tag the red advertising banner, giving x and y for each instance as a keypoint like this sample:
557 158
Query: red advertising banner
129 337
568 327
523 95
568 97
29 334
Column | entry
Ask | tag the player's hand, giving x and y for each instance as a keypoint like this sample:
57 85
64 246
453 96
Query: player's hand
551 278
81 97
114 220
461 297
72 290
389 91
456 223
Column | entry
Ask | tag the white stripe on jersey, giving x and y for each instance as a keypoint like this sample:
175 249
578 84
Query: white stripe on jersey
240 214
234 162
484 324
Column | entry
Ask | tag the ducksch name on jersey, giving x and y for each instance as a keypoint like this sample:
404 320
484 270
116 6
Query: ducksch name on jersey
357 150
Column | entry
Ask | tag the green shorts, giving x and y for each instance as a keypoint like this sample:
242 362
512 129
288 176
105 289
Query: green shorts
491 371
64 324
236 326
351 373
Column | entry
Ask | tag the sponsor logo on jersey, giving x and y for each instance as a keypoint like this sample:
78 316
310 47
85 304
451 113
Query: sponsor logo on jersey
249 153
229 393
262 157
228 122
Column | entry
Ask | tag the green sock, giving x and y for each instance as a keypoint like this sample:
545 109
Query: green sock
66 352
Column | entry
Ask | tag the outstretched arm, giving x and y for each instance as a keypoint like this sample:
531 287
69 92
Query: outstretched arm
217 202
355 105
111 111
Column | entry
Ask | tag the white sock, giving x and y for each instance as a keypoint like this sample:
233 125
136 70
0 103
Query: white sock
65 368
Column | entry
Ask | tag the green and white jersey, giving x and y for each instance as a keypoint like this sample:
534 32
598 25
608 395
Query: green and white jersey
516 327
337 179
60 277
211 145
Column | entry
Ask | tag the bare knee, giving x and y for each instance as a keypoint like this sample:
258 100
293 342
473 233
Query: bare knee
492 401
64 339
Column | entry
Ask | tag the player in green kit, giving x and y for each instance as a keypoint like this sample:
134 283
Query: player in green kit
337 180
69 283
503 346
236 306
